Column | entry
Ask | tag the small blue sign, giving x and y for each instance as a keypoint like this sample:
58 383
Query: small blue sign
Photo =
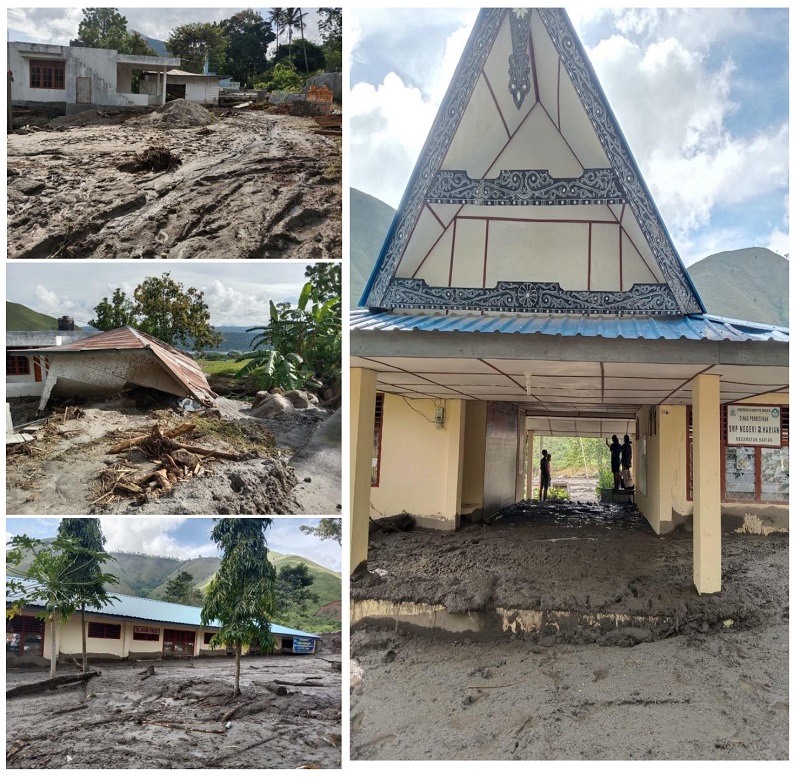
303 644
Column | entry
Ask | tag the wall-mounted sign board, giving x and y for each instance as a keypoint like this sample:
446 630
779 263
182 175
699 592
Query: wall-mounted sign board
753 426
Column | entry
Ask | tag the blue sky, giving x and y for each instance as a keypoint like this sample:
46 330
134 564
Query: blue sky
59 25
185 538
236 293
701 95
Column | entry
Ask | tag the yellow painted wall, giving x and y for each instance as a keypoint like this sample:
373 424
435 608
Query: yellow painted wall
414 460
665 503
474 454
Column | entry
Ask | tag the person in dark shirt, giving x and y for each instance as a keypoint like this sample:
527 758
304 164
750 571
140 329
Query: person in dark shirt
544 475
627 462
616 457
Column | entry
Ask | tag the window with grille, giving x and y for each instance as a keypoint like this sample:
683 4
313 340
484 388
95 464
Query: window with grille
105 630
17 365
178 642
748 474
47 74
208 636
24 636
376 441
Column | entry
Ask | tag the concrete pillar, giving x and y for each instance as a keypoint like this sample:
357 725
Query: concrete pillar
707 521
531 460
362 428
454 425
164 87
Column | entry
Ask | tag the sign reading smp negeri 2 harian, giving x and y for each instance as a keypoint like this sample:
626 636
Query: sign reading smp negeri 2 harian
754 426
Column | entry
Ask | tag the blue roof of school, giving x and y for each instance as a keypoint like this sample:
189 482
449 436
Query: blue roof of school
694 327
154 611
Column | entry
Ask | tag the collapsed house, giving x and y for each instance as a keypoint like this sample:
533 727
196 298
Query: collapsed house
25 374
71 79
105 363
132 627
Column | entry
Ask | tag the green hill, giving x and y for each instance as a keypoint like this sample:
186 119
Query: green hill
370 220
140 575
745 284
19 317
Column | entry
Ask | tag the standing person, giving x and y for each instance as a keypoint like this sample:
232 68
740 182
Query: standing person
616 456
544 475
627 462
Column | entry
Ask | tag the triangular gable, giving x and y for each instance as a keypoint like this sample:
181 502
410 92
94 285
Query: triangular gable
526 196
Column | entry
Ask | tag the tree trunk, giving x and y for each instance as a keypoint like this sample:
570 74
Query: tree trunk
83 638
303 39
52 644
238 668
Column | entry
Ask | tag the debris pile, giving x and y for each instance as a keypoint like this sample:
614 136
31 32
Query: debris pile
153 159
177 113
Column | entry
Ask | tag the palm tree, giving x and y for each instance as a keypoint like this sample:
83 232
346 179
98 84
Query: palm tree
276 18
293 19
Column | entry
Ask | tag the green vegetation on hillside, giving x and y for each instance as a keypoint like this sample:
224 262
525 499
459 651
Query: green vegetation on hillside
19 317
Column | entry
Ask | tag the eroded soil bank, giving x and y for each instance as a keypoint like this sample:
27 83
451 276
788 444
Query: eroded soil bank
177 718
709 681
250 185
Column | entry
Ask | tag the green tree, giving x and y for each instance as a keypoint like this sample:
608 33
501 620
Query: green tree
117 313
181 589
53 579
196 42
292 589
327 279
241 596
306 57
107 28
294 19
83 567
330 29
162 308
249 35
311 331
327 528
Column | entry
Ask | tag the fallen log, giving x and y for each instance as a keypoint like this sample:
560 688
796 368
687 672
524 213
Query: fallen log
46 685
184 427
304 684
182 726
71 709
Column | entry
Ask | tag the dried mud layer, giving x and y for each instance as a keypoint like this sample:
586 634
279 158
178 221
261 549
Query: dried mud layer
68 468
178 717
251 185
708 680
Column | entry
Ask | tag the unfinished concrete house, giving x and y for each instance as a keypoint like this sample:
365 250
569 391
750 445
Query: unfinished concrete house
71 79
528 285
181 85
25 374
107 362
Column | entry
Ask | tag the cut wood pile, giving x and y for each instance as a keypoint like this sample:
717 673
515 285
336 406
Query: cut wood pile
329 125
171 462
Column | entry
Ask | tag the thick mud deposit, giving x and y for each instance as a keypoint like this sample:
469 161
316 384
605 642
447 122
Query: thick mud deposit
178 717
695 678
61 472
251 185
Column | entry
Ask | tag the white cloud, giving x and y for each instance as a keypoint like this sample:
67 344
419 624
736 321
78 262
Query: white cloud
151 536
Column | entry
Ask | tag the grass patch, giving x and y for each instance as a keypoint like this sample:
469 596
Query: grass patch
226 367
238 434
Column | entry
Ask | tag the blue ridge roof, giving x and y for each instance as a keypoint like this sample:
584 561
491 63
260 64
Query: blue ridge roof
163 612
695 327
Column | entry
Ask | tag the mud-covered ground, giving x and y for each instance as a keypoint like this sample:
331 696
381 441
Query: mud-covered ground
706 679
177 718
251 185
60 472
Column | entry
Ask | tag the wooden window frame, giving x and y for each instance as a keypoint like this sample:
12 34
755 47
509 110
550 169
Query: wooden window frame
15 365
378 429
22 625
208 636
47 74
104 630
723 425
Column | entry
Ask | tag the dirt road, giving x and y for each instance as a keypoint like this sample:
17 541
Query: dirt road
699 678
176 719
253 185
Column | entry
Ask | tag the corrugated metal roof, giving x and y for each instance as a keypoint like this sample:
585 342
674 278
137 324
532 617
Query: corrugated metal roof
695 327
180 365
163 612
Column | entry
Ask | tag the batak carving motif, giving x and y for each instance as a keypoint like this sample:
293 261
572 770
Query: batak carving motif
532 297
519 61
674 297
526 188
